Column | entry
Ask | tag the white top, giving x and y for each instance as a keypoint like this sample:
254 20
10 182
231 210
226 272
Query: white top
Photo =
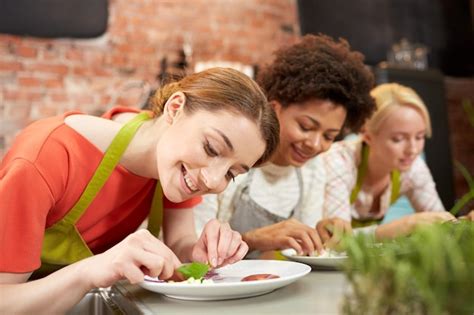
341 163
276 189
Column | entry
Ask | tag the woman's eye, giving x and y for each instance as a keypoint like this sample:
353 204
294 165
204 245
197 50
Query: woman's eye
329 138
210 150
304 128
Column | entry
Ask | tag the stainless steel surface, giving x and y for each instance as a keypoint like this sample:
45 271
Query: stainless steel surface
320 292
109 301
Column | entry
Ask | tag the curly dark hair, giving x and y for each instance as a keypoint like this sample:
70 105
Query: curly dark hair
319 67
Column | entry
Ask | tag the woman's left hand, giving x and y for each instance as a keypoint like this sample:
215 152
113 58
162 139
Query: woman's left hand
219 245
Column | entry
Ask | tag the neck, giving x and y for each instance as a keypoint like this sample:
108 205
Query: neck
277 160
140 157
376 170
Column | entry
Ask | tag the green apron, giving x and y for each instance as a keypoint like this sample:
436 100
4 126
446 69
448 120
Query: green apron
62 244
361 170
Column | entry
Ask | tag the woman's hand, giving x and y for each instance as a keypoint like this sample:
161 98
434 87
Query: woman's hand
286 234
409 223
139 254
331 231
469 216
219 245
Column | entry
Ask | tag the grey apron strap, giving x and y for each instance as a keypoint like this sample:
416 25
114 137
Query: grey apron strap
249 215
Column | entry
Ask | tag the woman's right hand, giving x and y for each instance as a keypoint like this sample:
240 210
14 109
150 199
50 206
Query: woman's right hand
139 254
332 230
286 234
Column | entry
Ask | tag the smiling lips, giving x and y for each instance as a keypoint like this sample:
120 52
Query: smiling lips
188 180
300 155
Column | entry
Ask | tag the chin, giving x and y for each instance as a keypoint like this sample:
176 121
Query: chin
173 196
404 167
297 163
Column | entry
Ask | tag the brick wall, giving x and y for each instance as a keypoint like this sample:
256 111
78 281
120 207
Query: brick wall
43 77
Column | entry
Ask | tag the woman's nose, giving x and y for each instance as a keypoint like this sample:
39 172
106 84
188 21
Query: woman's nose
313 141
213 177
412 147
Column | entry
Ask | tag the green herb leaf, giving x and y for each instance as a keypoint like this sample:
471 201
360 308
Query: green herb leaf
195 270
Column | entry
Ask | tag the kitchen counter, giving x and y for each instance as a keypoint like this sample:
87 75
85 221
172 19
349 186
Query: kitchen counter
319 292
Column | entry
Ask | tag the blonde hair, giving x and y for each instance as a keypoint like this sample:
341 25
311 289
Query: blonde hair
224 89
388 97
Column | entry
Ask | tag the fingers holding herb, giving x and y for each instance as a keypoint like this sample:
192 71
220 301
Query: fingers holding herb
219 245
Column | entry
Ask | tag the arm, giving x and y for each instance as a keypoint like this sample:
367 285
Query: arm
421 191
138 254
421 188
179 232
407 224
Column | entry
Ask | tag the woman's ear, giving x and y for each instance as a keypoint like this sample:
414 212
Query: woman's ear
174 106
366 136
277 107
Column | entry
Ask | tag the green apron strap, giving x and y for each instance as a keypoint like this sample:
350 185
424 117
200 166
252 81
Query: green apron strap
395 177
104 170
155 219
361 170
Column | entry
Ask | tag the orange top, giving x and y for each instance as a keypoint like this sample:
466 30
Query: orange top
41 178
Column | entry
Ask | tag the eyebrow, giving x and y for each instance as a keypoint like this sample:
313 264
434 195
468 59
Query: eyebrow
230 146
317 123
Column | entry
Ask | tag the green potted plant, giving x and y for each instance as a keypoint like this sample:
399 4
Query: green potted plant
430 272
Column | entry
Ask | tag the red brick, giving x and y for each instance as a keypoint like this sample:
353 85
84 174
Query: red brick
27 52
53 83
29 82
49 68
10 66
74 54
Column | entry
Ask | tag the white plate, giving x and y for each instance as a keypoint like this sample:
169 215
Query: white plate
315 261
228 284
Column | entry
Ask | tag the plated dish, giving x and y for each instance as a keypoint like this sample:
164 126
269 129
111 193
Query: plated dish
228 283
330 260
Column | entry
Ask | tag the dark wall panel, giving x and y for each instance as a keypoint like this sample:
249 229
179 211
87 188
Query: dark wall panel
372 26
54 18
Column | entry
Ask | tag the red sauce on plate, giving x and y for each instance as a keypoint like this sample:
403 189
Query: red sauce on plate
260 276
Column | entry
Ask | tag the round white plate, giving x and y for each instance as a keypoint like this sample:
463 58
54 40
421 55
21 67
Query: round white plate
315 261
228 285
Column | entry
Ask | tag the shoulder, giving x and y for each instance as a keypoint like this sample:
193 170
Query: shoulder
50 147
342 156
418 173
100 131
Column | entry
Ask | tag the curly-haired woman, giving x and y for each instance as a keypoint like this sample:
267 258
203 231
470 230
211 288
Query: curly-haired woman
318 87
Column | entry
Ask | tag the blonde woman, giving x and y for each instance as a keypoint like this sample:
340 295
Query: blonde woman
365 176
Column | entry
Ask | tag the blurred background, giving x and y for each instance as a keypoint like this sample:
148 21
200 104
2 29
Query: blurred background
90 55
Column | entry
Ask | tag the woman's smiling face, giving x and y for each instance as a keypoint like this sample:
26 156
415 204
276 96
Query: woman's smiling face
306 130
201 152
401 139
